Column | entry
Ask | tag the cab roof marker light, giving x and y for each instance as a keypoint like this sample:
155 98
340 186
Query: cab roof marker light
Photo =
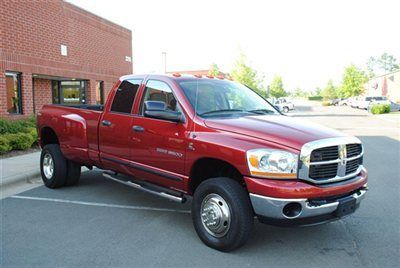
177 74
198 75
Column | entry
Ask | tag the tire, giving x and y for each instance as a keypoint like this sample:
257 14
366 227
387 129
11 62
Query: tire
285 109
73 173
53 166
235 199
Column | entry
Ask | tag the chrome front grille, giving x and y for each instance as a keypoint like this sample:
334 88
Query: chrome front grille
330 160
321 172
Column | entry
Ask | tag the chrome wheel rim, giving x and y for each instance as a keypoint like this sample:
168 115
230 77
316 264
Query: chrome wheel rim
215 215
48 166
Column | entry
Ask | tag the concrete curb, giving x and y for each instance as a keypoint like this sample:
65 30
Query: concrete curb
26 177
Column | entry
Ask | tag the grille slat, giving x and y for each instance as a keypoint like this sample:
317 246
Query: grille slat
318 172
353 165
325 154
328 171
353 149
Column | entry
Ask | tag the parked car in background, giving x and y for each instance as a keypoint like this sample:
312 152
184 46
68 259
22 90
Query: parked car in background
364 102
282 104
344 102
354 102
335 102
394 107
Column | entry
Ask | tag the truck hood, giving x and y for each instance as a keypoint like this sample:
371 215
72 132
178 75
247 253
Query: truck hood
291 132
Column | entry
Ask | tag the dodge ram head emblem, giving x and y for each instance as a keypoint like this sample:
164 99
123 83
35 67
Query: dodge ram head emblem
343 154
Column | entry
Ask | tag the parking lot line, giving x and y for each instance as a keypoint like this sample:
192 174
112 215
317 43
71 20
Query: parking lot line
97 204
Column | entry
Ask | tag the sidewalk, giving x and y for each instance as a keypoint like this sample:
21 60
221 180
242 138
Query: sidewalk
19 168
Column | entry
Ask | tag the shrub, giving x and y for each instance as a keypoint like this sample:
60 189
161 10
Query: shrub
16 126
33 132
380 109
20 141
4 144
326 103
316 98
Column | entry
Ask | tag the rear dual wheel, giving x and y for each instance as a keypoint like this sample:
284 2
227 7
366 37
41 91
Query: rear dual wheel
222 214
57 171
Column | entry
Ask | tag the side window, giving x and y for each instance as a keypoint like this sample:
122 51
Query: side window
13 89
125 96
159 91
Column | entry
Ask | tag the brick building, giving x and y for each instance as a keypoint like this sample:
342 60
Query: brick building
54 52
384 85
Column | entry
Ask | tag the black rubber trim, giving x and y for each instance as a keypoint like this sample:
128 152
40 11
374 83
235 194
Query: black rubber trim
148 170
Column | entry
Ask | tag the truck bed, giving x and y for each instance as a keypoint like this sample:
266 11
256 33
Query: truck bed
77 130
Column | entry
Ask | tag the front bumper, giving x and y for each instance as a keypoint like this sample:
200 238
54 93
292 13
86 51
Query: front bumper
308 211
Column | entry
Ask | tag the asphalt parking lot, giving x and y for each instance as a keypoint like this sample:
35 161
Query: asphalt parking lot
102 223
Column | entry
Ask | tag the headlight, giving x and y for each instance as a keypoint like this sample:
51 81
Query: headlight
274 164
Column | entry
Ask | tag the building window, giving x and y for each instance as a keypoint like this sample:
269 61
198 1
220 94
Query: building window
125 96
13 88
99 92
69 92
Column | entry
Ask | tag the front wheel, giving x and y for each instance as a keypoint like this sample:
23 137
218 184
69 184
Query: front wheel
222 214
285 109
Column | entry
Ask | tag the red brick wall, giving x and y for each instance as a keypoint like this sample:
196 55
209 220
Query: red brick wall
32 33
42 92
3 103
27 93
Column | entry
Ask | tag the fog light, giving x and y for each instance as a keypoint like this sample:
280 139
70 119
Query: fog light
292 210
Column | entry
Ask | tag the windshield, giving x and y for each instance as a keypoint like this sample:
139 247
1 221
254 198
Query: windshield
224 98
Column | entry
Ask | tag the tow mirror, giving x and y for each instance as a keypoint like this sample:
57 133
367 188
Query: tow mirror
158 110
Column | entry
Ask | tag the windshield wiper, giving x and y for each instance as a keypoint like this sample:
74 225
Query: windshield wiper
221 111
261 111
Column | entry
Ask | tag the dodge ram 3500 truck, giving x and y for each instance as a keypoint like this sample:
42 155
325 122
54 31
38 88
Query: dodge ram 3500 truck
213 140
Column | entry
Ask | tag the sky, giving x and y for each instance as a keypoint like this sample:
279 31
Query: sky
306 42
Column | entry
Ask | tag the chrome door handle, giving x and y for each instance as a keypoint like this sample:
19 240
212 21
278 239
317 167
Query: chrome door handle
138 128
106 123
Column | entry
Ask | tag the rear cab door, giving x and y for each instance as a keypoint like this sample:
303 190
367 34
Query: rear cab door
115 126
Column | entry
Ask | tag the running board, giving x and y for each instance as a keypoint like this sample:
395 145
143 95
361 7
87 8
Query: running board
156 190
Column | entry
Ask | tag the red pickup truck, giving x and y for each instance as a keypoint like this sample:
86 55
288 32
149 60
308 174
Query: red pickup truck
214 141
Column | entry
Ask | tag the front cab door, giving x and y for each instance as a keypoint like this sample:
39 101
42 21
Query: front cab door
160 145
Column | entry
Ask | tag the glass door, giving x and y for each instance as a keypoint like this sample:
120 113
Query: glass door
69 92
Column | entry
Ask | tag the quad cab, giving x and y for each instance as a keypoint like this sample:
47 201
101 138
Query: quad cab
213 141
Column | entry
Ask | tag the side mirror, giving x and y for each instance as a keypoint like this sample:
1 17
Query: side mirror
158 110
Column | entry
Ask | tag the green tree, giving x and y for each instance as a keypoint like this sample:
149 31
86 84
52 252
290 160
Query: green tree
353 82
245 74
299 93
276 88
385 63
214 70
330 91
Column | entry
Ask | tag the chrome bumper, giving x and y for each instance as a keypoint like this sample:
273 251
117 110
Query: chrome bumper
272 208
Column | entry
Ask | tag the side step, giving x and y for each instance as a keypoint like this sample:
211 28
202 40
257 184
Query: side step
152 189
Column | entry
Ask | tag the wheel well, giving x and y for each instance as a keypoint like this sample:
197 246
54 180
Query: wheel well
48 136
207 168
